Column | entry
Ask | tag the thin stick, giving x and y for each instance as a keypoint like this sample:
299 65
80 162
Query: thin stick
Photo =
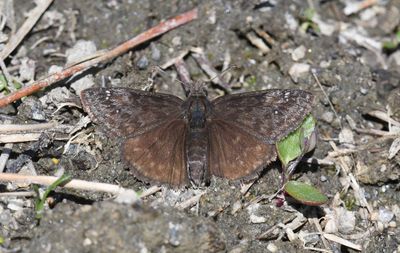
6 153
206 66
183 75
375 132
384 116
18 194
73 184
15 128
326 96
34 16
16 138
190 202
150 191
158 30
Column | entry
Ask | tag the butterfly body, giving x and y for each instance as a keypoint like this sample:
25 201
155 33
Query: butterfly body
169 140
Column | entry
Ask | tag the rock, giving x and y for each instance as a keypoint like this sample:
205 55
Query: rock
80 50
112 227
385 215
298 70
299 53
143 62
345 220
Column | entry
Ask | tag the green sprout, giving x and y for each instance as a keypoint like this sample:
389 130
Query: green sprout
39 202
4 84
290 151
308 23
392 44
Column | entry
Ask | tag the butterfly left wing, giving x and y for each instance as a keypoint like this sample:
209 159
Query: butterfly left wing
268 115
234 153
158 155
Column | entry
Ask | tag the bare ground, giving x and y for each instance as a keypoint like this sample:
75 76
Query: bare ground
274 44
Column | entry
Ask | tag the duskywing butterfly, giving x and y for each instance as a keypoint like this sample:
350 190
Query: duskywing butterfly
166 139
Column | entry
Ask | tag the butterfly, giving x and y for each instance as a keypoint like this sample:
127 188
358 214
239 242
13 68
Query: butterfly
167 140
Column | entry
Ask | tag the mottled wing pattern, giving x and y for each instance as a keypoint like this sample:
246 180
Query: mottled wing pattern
126 112
158 155
234 153
268 115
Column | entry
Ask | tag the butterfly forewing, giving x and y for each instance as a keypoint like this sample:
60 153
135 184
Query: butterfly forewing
268 115
126 112
159 154
234 153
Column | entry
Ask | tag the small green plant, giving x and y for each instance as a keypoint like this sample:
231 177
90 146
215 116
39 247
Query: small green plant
307 21
392 44
4 84
290 151
39 202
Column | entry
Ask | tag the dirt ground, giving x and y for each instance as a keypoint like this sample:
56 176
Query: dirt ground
338 52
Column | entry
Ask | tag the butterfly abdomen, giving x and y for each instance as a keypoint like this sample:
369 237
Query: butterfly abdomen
196 156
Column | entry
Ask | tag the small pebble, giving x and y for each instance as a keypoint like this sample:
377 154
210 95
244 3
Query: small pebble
323 178
15 204
363 90
87 242
346 136
272 247
380 226
299 53
346 220
257 219
177 41
143 62
81 49
155 52
298 70
328 116
236 206
392 224
385 215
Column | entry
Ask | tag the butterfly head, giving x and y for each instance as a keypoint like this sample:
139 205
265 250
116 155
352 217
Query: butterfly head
198 89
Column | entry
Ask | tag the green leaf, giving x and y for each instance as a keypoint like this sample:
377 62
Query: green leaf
3 82
39 203
390 45
304 193
291 146
309 13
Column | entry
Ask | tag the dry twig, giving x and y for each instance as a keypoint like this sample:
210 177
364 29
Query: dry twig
33 17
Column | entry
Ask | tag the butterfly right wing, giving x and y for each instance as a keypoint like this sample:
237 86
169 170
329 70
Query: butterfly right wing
127 112
269 115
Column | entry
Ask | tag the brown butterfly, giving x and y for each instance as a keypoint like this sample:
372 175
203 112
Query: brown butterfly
165 139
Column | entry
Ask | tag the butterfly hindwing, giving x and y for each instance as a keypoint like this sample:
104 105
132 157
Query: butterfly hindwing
158 155
234 153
